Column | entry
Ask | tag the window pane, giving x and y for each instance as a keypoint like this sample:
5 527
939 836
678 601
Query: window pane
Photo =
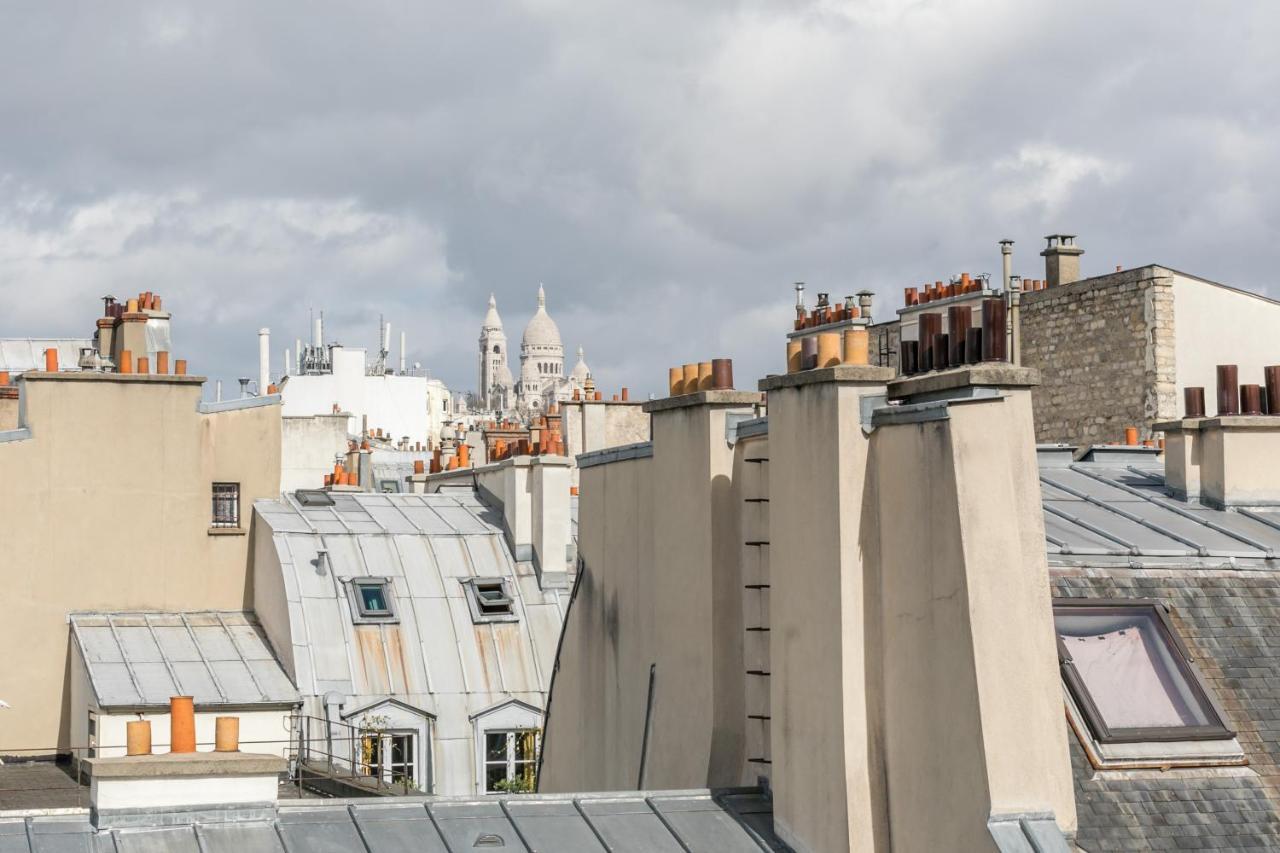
526 745
494 777
373 599
496 747
1134 677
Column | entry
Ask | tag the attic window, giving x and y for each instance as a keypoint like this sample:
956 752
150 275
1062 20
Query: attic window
371 600
490 600
313 497
1130 676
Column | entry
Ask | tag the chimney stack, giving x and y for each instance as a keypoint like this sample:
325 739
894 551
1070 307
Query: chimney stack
317 336
1061 259
1006 258
402 353
264 360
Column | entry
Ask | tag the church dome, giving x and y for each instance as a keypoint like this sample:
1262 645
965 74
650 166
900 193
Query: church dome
542 331
580 370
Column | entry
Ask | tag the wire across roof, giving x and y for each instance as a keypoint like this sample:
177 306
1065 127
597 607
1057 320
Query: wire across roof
140 659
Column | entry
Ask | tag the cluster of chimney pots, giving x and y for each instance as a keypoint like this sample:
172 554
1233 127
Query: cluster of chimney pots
962 343
714 375
1237 399
182 731
132 310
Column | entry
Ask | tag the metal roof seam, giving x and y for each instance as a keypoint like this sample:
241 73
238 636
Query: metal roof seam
1092 528
133 676
1125 514
213 677
684 845
235 644
1179 511
179 690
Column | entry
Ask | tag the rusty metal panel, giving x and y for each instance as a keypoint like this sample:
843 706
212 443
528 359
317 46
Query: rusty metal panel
371 678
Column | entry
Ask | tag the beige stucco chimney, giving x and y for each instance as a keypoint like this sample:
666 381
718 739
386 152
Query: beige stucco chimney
1239 459
1061 259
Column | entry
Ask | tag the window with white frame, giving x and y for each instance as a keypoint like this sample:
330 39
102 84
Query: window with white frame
511 761
390 757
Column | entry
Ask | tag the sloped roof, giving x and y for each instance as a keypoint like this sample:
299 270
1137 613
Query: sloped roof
139 660
18 355
737 821
433 656
1118 511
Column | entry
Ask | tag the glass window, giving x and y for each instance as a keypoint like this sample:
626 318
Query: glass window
490 600
226 505
511 761
389 756
371 600
1130 675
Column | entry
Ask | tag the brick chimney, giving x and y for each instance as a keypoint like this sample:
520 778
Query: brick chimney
1061 259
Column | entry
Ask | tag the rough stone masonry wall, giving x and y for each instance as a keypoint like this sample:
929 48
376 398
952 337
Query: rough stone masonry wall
883 343
1105 350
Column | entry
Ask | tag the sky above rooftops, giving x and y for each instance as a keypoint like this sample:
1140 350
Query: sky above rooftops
667 169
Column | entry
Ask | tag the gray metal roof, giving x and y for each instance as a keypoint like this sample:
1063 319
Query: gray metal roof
138 660
18 355
738 821
1118 511
434 657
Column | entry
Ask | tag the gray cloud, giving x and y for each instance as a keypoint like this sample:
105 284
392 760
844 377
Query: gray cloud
668 169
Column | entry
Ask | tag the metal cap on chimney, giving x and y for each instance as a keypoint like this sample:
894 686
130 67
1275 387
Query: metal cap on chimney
1061 259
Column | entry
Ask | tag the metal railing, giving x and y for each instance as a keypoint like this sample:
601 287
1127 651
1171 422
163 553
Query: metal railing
352 756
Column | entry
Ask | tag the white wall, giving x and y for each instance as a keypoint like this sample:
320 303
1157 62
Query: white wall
308 446
264 732
1218 325
400 405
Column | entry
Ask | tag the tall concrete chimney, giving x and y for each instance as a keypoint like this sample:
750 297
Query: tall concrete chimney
264 361
288 362
1006 257
402 353
386 338
1061 259
317 337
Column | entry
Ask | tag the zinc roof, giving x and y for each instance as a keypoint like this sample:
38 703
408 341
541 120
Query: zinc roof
433 656
1119 511
18 355
140 659
737 821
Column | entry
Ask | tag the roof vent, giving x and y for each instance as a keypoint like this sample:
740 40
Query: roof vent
488 839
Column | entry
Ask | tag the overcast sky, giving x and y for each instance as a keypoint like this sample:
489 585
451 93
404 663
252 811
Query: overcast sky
667 169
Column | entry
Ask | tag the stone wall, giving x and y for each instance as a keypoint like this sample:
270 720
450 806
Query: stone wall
883 343
1105 349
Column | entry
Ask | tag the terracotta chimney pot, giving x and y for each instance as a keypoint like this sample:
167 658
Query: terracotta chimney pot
126 362
162 362
226 734
51 360
144 365
138 737
182 724
180 367
675 383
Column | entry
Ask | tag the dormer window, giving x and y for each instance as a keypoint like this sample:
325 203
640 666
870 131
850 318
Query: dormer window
490 600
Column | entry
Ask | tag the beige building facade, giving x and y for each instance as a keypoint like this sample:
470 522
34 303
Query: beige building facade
848 599
108 505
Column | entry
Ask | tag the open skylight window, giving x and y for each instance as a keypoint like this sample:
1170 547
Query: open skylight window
490 600
1131 679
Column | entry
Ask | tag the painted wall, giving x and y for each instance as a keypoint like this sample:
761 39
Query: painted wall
1216 325
308 447
107 506
661 584
412 406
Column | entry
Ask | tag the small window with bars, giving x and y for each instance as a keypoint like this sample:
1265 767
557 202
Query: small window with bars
226 505
490 600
